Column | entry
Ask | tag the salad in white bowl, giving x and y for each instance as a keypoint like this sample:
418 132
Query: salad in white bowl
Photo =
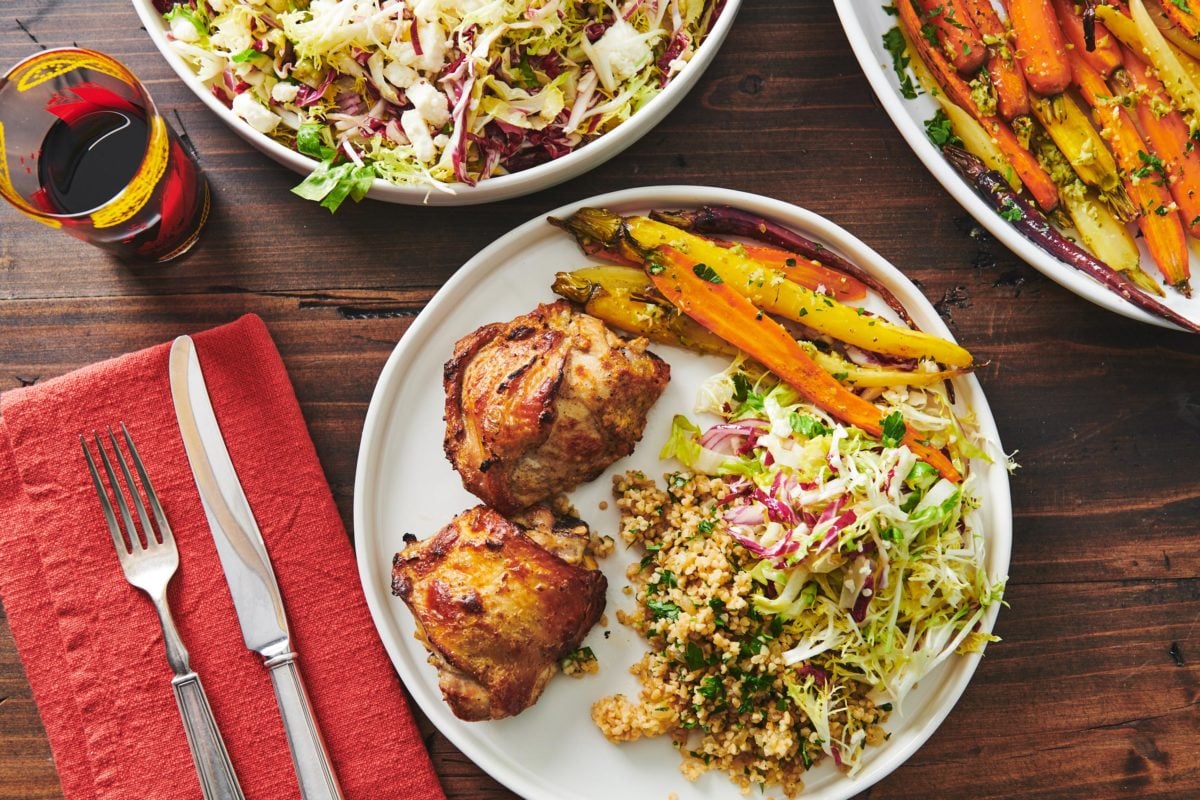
433 94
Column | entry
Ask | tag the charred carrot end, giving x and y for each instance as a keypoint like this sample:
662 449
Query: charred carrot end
1105 56
698 292
1182 15
1168 137
1043 54
804 271
950 24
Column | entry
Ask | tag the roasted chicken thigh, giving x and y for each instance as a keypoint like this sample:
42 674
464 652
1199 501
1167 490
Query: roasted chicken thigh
542 403
496 610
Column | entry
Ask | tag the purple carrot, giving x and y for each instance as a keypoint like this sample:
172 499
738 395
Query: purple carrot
730 221
1029 221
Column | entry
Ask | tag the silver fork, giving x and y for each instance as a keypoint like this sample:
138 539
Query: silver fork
149 562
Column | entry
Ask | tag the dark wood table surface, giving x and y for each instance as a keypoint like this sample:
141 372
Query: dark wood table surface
1094 691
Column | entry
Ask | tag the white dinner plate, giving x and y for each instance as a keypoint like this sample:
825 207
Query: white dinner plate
865 23
404 484
501 187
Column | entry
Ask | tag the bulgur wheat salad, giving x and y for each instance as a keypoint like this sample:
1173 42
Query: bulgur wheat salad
799 578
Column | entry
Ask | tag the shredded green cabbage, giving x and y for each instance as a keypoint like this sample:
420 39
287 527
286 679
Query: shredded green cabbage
873 564
435 92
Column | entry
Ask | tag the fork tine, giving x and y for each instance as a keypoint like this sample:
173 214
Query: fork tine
147 529
105 504
122 504
164 527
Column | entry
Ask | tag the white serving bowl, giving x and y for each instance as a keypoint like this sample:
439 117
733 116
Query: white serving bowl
501 187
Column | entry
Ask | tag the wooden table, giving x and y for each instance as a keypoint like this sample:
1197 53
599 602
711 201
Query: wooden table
1094 691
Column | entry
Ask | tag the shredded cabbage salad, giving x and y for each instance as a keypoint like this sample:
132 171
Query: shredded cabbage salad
433 92
872 563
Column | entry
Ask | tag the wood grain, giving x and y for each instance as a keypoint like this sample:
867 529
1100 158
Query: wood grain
1094 691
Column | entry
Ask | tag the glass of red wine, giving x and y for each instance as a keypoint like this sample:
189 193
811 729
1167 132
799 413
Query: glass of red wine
83 149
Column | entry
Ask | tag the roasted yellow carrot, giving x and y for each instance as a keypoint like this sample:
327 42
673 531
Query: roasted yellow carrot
804 271
694 288
636 236
1158 219
1040 46
1167 133
1085 150
1035 179
626 299
1012 97
1105 56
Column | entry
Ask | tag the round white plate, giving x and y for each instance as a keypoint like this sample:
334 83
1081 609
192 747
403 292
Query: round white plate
553 751
502 187
865 23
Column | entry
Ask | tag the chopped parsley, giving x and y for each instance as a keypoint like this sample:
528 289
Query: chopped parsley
893 429
705 272
893 42
663 609
808 426
1009 211
940 130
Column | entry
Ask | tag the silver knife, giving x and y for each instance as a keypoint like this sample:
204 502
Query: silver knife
248 569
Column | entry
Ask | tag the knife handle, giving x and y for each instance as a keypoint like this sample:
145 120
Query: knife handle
217 778
309 756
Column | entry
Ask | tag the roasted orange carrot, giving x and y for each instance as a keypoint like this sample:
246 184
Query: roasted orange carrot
1157 218
1167 133
1106 56
697 290
1182 16
1040 47
1037 182
957 35
1012 98
804 271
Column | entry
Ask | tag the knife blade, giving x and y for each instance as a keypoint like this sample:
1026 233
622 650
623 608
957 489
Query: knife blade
247 568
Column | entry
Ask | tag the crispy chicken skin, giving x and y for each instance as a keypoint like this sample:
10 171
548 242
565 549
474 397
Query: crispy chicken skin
545 402
496 610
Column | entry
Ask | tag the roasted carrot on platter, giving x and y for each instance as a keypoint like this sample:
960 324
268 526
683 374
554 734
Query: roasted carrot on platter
1040 46
1173 155
1012 97
1182 16
1036 181
1158 217
1104 55
955 32
1032 224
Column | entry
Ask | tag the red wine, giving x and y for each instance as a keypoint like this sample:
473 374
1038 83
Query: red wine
88 161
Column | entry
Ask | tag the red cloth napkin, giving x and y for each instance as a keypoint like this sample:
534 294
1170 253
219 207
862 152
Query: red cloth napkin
91 643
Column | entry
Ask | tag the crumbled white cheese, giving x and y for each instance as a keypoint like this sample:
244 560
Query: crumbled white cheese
399 75
260 118
431 104
620 53
183 29
414 128
284 92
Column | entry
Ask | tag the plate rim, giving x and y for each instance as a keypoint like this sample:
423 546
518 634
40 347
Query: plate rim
483 263
503 187
1079 284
